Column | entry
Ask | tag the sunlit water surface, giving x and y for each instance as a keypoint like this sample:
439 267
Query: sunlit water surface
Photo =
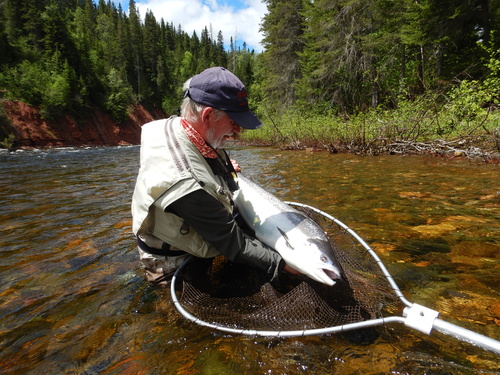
73 299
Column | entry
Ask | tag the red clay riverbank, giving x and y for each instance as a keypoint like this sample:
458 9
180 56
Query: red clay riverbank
30 130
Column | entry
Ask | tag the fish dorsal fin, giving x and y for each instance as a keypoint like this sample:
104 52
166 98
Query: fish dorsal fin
287 241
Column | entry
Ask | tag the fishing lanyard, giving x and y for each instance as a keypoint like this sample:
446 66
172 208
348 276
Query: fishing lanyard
225 169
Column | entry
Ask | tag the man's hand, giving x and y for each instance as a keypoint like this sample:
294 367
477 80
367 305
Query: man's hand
291 270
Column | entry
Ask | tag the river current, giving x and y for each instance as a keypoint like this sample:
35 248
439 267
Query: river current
73 299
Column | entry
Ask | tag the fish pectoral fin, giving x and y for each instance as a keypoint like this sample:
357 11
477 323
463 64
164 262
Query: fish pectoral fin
287 241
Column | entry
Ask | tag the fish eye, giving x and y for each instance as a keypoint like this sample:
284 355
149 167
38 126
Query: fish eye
323 258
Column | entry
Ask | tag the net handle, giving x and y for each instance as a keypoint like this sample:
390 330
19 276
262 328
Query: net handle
466 335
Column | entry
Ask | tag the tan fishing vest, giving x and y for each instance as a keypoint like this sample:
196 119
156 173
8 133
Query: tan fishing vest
172 167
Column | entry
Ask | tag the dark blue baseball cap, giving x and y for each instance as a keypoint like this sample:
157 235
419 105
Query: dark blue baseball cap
220 89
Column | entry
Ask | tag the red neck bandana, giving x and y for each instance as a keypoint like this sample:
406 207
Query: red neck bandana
198 141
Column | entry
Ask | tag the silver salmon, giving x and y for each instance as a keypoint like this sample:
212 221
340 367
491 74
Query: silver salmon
301 242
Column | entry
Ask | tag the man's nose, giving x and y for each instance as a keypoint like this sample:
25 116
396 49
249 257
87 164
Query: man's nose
236 128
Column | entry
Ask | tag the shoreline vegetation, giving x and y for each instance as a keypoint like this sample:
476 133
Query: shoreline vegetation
415 127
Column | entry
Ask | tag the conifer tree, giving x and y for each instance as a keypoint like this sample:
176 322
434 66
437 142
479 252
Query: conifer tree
283 39
137 54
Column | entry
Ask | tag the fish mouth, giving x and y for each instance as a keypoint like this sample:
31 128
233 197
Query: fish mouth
332 274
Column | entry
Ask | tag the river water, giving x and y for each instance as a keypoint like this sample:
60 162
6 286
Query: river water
73 299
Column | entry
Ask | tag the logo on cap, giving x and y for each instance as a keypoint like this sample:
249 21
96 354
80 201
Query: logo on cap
243 97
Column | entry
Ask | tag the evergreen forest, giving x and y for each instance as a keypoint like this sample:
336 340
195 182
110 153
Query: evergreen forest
69 55
362 72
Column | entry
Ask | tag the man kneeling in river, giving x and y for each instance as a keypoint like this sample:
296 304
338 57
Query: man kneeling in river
182 202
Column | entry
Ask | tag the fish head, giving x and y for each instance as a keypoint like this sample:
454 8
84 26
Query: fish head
312 257
323 253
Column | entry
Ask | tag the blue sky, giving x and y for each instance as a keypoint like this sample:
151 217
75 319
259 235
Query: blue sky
240 18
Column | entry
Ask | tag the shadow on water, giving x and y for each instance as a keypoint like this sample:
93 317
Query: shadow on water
73 298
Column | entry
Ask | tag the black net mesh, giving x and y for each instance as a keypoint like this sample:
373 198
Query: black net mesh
237 296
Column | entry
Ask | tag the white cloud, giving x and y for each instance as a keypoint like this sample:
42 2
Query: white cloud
193 15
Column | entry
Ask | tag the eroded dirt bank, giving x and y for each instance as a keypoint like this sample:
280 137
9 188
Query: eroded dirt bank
98 129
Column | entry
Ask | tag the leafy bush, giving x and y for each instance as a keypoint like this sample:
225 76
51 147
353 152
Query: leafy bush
473 98
119 95
41 85
56 95
25 82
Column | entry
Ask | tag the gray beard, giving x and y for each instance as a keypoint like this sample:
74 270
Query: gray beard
212 141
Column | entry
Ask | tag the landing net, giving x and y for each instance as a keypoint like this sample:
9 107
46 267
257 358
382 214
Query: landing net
237 298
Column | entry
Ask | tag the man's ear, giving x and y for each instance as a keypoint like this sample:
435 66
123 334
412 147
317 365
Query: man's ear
206 113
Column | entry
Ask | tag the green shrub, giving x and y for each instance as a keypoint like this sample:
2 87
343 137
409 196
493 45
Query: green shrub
40 85
119 95
473 99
